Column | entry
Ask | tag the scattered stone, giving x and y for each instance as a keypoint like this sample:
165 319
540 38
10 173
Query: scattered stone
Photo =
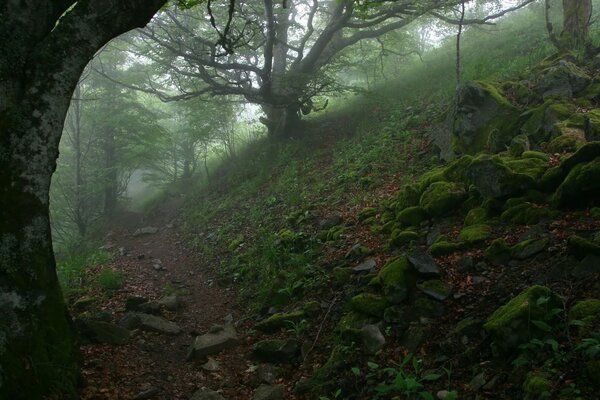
211 365
372 338
276 350
171 302
149 322
366 266
279 320
528 248
102 332
397 279
436 289
475 233
148 230
207 394
219 338
423 263
269 392
442 394
465 264
147 394
478 381
330 222
441 198
266 373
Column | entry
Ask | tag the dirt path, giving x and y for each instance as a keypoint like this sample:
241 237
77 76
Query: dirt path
156 363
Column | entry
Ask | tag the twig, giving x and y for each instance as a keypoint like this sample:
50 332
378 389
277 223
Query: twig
320 329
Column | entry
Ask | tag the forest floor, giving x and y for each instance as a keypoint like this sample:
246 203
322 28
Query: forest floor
153 365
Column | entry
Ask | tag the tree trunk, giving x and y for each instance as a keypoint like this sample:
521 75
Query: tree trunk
577 15
281 122
45 46
111 176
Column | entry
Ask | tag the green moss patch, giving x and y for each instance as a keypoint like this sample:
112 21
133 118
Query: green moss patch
580 247
369 304
498 253
580 186
476 216
475 233
397 279
279 320
411 216
441 198
444 248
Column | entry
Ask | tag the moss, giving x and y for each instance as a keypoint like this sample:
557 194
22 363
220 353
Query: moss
585 154
341 275
456 171
551 179
441 198
580 186
518 145
312 308
537 386
526 214
580 247
542 120
435 286
475 233
476 216
565 144
444 248
396 278
528 248
428 308
336 233
585 308
510 325
595 213
279 320
533 167
536 154
403 238
369 304
407 196
367 213
411 216
493 178
498 253
326 379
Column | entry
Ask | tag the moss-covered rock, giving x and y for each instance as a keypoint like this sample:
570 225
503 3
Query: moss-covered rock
341 275
494 179
528 248
542 121
534 167
444 248
585 154
279 320
536 154
498 253
475 216
276 351
585 308
397 279
407 196
565 144
485 121
402 238
518 145
327 379
537 386
526 214
456 171
369 304
581 247
475 233
442 198
367 213
511 324
562 80
312 308
428 308
411 216
580 187
435 288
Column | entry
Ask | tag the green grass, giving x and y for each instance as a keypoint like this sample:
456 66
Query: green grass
110 279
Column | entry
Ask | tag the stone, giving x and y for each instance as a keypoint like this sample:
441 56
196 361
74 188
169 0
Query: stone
132 303
581 247
84 303
401 238
372 339
444 248
130 321
580 186
330 222
562 81
266 373
207 394
102 332
485 120
423 263
276 350
588 266
494 179
442 198
528 248
211 365
475 233
413 337
269 392
148 230
219 338
368 304
478 382
465 264
366 266
153 323
498 252
425 307
147 394
279 320
411 216
396 278
170 302
436 289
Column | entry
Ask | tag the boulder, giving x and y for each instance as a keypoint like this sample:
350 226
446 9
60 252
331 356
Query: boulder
153 323
269 392
368 304
397 279
485 119
581 247
528 248
330 222
411 216
276 350
580 187
498 253
436 289
442 198
147 230
401 238
102 332
494 179
219 338
207 394
475 233
423 263
170 302
281 320
562 81
372 339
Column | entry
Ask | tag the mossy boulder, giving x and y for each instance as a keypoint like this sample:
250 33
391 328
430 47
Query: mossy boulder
528 248
428 308
436 289
542 122
341 275
279 320
475 216
581 247
396 278
526 214
369 304
494 179
498 253
580 187
276 351
584 309
475 233
562 80
411 216
536 154
565 144
367 213
407 196
442 198
533 167
511 324
537 386
444 248
518 145
485 119
401 238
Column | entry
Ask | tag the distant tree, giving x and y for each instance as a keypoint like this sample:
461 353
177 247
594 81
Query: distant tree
577 17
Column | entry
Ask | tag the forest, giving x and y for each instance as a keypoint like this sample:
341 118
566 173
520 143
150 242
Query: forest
299 199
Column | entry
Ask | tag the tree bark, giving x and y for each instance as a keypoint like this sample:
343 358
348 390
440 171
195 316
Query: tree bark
577 15
281 121
44 46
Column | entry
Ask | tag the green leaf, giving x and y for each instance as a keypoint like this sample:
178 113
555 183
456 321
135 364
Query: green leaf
355 371
542 300
426 396
372 365
431 377
553 343
576 322
542 325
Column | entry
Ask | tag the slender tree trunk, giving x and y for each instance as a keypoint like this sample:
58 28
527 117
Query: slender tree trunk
41 59
111 175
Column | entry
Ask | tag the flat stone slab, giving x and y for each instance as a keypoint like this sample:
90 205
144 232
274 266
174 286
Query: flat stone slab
423 263
366 266
215 341
147 230
147 322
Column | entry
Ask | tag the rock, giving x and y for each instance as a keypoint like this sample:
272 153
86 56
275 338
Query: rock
132 303
494 179
269 392
526 214
411 216
442 198
442 394
265 373
477 382
580 186
102 332
372 338
498 252
207 394
510 325
476 216
368 304
580 247
413 337
171 302
436 289
562 81
444 248
590 265
485 119
279 320
153 323
423 263
396 279
518 145
425 307
330 222
400 316
528 248
407 196
565 144
219 338
401 238
148 230
211 365
537 231
475 233
465 264
366 266
276 350
147 394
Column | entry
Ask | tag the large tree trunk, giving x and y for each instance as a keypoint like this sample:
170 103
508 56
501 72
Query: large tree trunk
43 51
281 121
577 15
